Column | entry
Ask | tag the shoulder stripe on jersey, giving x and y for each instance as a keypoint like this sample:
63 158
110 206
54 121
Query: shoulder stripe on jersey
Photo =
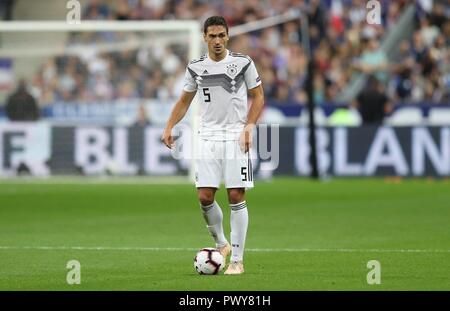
234 54
192 72
202 58
243 70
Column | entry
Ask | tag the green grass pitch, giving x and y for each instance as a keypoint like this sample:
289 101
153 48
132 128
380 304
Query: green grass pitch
303 235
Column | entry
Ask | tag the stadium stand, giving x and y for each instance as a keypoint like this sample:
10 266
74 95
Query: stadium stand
344 45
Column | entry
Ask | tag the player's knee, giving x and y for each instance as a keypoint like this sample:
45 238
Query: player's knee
206 198
236 196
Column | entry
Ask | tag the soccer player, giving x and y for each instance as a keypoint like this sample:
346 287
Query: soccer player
223 79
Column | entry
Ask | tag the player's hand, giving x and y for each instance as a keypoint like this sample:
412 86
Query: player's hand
246 138
167 138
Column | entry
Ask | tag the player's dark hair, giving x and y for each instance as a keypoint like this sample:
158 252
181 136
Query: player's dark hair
215 21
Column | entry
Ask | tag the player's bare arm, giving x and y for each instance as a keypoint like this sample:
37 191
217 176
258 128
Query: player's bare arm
257 95
178 112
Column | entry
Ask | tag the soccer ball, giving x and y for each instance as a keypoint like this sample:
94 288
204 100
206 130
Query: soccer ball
208 261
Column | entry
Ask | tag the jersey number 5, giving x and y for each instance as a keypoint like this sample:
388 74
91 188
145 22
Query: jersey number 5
207 95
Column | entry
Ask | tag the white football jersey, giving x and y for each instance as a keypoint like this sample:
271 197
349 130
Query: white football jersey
222 94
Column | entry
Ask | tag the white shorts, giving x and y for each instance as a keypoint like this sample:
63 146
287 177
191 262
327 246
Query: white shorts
222 159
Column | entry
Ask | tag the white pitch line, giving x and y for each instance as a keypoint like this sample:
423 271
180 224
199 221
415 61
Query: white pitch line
270 250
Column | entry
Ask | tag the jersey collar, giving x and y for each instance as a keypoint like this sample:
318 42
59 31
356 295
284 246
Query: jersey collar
223 59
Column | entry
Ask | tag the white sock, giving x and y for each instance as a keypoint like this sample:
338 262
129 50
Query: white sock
213 217
239 224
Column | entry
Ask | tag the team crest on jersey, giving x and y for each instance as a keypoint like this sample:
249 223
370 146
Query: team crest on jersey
232 70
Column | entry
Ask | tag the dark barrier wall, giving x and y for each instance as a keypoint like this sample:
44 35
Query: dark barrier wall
369 151
42 149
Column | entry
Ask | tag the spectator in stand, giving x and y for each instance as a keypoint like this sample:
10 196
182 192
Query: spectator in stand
142 118
21 105
373 60
372 102
96 10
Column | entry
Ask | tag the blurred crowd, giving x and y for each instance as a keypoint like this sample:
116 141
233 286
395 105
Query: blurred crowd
421 71
118 75
344 44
